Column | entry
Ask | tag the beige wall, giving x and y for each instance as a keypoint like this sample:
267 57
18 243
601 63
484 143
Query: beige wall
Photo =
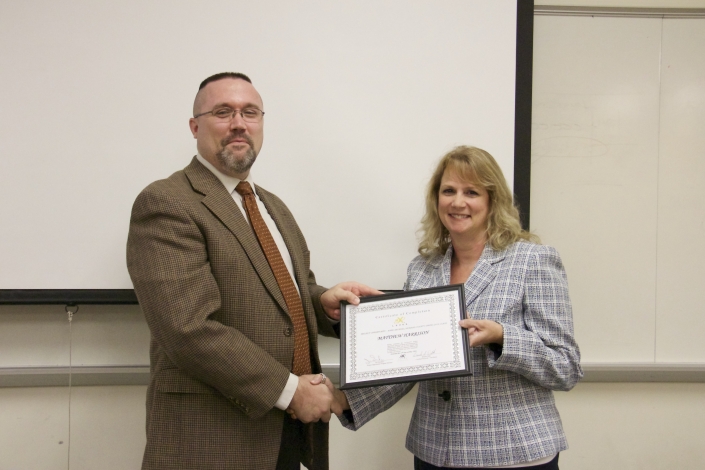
636 426
633 426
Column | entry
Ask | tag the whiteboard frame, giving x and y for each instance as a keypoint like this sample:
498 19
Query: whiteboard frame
522 178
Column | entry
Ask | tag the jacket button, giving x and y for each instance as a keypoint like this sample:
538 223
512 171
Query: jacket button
287 331
445 395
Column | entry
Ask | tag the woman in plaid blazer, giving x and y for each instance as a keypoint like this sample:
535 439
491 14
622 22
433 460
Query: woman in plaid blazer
519 324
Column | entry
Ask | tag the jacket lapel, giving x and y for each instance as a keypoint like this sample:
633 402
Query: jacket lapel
485 271
222 205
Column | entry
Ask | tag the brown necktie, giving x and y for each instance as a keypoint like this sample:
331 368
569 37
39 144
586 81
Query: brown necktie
302 357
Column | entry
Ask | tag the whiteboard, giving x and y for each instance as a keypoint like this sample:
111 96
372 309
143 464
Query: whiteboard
362 98
618 176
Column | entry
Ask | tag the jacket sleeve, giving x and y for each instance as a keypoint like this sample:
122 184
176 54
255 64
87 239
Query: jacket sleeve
366 403
326 326
169 265
545 350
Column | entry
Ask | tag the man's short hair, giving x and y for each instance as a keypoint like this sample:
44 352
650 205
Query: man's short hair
222 75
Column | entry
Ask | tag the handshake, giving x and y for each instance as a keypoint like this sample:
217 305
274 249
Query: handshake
315 399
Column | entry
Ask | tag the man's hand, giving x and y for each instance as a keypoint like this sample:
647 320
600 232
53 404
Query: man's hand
348 291
311 402
340 400
483 331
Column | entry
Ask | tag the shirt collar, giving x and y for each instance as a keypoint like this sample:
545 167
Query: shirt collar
228 181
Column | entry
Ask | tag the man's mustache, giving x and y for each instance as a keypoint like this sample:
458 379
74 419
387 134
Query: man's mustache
235 136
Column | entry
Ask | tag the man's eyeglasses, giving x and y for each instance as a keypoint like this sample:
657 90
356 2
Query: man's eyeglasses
227 114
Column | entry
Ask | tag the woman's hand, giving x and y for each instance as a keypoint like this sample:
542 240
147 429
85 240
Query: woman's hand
483 331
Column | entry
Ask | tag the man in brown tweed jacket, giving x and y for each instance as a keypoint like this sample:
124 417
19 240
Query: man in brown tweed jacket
222 338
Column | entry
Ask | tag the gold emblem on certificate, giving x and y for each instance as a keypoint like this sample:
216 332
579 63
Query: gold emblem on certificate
403 337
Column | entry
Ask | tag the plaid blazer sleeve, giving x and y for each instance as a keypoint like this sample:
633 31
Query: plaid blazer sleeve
543 349
368 402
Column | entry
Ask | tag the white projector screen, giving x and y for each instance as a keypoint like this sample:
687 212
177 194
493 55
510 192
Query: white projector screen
362 98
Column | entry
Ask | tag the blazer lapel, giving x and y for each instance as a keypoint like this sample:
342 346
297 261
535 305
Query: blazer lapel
443 274
485 271
222 205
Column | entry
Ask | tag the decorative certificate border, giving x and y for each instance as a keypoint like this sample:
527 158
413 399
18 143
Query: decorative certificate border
452 300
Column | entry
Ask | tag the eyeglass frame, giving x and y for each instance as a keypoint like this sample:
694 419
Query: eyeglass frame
234 112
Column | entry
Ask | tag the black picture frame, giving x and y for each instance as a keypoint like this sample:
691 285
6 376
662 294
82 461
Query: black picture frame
345 381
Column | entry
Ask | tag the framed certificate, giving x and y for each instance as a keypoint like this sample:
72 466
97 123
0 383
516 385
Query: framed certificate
403 337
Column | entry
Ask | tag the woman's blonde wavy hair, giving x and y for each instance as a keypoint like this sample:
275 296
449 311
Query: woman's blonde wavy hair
479 167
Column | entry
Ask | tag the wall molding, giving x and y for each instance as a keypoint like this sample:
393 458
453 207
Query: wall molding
61 376
629 12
